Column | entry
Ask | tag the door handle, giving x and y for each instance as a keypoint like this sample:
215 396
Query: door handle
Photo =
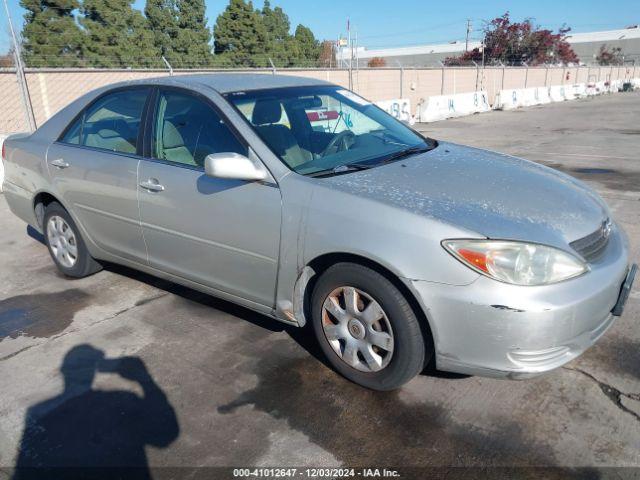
152 185
60 163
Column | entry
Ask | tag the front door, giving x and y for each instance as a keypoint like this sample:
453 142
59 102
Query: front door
94 169
220 233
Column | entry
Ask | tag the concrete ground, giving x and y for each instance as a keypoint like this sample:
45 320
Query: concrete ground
206 383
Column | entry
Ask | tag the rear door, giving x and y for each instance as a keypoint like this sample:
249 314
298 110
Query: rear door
94 168
217 232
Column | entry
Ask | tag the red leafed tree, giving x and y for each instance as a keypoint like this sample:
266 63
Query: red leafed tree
377 62
515 43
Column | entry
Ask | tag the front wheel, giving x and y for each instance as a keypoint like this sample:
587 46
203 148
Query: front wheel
366 327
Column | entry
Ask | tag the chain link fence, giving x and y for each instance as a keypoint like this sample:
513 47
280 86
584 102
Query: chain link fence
52 89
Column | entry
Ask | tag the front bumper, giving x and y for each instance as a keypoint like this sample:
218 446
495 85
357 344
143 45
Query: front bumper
494 329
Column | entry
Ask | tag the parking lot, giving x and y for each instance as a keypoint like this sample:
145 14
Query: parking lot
211 384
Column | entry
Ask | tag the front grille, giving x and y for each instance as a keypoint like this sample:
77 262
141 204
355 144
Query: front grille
591 246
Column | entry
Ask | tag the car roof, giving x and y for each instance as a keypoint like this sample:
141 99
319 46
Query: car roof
234 82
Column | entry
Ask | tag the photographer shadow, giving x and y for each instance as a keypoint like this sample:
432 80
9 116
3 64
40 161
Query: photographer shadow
96 433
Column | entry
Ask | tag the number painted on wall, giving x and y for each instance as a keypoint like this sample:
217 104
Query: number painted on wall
398 108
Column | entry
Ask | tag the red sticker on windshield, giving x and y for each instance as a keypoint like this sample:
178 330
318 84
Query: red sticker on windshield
319 116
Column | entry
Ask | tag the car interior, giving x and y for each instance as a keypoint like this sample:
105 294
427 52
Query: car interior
266 116
114 134
111 124
187 130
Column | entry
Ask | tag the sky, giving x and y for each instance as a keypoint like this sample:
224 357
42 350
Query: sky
382 23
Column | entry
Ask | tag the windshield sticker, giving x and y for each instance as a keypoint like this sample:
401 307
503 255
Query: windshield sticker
353 97
347 120
320 115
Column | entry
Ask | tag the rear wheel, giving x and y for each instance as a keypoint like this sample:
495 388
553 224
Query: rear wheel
366 327
65 244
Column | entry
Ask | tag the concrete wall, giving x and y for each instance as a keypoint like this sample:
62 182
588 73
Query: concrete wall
50 90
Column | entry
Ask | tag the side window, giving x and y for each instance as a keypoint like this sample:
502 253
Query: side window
73 133
187 129
112 123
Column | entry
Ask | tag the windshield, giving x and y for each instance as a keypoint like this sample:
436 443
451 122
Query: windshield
326 129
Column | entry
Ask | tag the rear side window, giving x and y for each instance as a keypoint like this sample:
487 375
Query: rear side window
112 123
187 129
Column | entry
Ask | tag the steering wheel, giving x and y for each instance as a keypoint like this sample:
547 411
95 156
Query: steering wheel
339 143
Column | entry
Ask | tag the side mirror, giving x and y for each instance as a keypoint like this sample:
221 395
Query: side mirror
233 166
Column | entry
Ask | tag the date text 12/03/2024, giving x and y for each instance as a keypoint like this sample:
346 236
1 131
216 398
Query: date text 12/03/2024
315 473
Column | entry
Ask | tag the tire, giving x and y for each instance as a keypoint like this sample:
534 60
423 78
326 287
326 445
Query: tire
61 235
394 364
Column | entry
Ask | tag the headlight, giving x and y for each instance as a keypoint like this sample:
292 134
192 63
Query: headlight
517 263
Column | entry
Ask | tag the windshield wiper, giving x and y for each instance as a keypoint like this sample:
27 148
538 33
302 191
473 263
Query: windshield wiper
389 139
353 167
348 167
407 152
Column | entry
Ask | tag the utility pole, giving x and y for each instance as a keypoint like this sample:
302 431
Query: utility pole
357 85
22 79
484 45
466 43
350 49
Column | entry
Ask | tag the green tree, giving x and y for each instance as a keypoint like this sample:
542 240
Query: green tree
306 48
162 18
117 35
277 25
51 37
240 37
276 22
192 44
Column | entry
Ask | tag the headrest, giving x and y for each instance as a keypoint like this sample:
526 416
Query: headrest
266 111
171 136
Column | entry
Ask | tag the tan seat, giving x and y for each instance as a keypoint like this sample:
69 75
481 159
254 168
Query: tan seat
266 115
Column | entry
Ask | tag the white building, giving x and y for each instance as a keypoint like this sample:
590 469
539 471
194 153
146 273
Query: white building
586 46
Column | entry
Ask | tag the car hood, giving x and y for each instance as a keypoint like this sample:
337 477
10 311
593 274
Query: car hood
495 195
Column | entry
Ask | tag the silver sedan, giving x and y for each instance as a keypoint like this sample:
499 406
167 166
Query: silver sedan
303 201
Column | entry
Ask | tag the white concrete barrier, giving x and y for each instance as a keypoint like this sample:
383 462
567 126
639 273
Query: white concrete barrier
616 86
558 93
579 90
399 108
526 97
535 96
474 102
544 95
437 107
448 106
441 107
508 100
